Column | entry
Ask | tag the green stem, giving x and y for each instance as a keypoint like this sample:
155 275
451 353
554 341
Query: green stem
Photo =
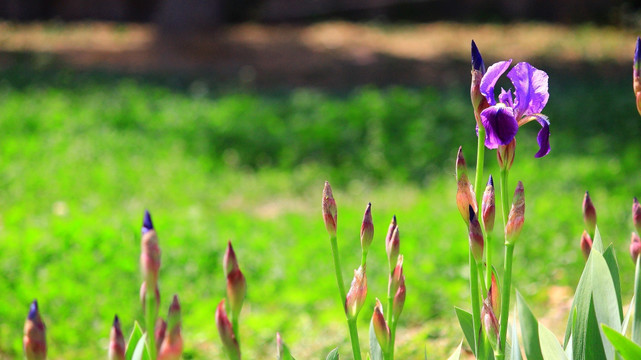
363 258
505 298
150 317
480 158
353 334
476 309
392 339
337 269
234 327
504 197
479 269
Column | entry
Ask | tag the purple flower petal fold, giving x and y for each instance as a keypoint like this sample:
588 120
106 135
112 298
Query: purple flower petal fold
490 78
530 88
505 97
543 138
500 125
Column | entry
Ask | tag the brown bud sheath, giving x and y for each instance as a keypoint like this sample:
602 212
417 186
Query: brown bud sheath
150 251
329 209
381 329
505 155
494 294
34 340
476 237
172 345
490 323
367 229
357 294
236 291
399 299
479 102
143 295
636 214
116 341
393 248
488 208
464 193
226 333
586 244
589 214
160 330
395 276
517 215
635 247
229 259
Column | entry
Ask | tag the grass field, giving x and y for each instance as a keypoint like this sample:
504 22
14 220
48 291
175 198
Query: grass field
82 155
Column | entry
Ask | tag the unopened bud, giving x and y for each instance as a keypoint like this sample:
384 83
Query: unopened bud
381 329
390 235
488 208
160 330
490 324
357 293
494 294
399 299
505 155
636 214
226 333
476 236
479 102
589 214
236 291
395 276
367 229
586 244
635 247
636 68
150 251
464 193
116 341
34 340
172 344
393 248
229 259
329 209
517 215
143 297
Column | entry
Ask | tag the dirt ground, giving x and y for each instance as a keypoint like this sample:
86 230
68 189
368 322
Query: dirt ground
327 55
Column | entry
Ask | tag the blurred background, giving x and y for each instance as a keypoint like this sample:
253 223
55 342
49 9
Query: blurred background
224 119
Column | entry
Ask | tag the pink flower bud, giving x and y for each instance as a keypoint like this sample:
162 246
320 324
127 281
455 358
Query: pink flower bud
490 324
494 294
395 276
465 193
160 330
399 298
236 291
636 214
226 333
34 340
517 215
390 231
357 293
116 341
150 251
505 155
589 214
393 247
488 208
367 229
586 244
635 247
381 329
229 259
329 210
476 236
143 296
172 344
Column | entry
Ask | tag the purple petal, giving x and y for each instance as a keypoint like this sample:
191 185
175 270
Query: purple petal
637 53
500 125
490 78
530 88
477 59
33 310
147 225
543 138
506 97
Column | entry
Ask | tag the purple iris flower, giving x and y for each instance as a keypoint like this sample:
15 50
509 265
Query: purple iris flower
502 119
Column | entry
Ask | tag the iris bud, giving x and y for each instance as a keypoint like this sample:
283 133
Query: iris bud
589 214
464 194
329 209
586 244
517 215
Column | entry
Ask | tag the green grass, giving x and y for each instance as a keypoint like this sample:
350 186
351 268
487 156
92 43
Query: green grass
83 154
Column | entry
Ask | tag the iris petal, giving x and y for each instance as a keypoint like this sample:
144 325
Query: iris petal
490 78
506 97
530 88
543 138
500 125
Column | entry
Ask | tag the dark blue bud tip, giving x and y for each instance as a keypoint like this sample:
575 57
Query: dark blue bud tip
637 51
472 214
33 310
147 225
116 321
477 59
490 181
635 199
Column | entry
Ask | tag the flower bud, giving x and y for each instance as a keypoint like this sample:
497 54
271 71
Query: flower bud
150 251
226 333
635 247
381 329
395 276
490 323
589 214
636 80
517 215
357 293
329 210
116 341
479 102
393 248
505 155
229 259
399 299
390 236
172 344
160 330
236 291
476 236
488 208
367 229
34 340
464 194
636 214
586 244
494 294
143 296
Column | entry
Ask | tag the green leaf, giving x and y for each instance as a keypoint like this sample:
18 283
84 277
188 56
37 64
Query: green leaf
516 350
626 347
333 355
626 319
466 323
529 329
284 353
135 336
613 265
636 314
375 351
606 304
550 347
141 352
597 243
455 356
